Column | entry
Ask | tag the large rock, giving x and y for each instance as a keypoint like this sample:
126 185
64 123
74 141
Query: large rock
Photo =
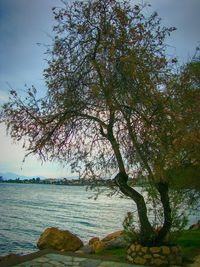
195 226
118 242
93 240
62 240
98 246
113 240
113 236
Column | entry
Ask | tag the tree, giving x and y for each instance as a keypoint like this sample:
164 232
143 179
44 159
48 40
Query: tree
109 110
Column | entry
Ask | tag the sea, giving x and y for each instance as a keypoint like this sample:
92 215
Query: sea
26 210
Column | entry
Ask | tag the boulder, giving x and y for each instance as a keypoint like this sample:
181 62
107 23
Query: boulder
93 239
87 249
113 236
62 240
98 246
113 240
118 242
195 226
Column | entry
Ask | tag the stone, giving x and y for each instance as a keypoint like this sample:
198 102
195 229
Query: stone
175 250
129 258
144 249
165 250
90 263
139 260
133 254
10 256
42 259
93 239
155 249
129 251
58 257
87 249
98 246
138 247
113 235
157 262
195 226
118 242
132 247
79 252
54 238
147 256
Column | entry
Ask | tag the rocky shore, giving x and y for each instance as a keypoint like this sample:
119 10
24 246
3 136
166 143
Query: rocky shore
63 241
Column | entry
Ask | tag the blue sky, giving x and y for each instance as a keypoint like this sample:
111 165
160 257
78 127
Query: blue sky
24 23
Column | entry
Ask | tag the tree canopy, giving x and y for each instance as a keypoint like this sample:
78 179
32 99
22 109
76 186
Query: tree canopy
115 106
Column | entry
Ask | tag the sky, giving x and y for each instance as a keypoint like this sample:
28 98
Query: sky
24 24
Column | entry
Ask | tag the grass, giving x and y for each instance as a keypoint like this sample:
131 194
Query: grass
189 241
115 254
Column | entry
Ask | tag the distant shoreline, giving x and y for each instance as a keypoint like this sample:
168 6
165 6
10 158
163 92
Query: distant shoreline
70 182
73 182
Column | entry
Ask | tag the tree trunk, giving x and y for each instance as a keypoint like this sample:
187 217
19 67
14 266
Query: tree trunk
147 234
164 197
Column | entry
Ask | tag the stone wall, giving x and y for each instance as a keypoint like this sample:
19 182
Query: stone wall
155 256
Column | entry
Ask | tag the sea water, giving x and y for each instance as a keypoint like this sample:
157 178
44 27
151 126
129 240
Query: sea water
27 209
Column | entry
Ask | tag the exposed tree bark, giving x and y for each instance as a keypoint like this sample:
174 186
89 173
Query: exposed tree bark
147 235
164 197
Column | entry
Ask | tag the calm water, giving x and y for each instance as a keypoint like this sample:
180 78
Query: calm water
26 210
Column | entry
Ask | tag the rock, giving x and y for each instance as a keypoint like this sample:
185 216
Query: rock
98 246
113 236
113 240
140 260
118 242
154 256
9 257
93 239
80 252
87 249
196 262
62 240
157 250
195 226
165 250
